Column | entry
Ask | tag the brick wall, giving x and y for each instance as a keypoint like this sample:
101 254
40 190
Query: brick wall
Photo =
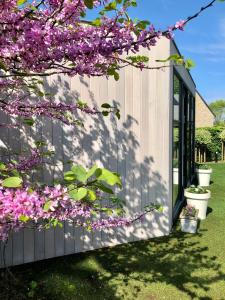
203 115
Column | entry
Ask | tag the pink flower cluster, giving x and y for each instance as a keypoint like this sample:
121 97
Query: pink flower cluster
45 108
180 24
111 222
18 206
56 38
27 163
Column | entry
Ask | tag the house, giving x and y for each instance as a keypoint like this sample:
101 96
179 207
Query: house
204 115
156 129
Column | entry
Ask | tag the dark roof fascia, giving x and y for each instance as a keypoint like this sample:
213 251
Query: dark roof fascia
175 45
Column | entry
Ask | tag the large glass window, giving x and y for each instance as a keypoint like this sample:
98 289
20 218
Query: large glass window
176 138
183 138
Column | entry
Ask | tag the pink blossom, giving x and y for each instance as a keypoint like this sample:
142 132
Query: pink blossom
18 206
180 24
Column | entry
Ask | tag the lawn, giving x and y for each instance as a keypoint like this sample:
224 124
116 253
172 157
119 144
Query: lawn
181 266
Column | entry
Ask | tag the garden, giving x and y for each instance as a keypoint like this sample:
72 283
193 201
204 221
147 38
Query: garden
46 38
180 266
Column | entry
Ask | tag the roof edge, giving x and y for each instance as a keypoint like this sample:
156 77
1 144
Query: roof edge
175 45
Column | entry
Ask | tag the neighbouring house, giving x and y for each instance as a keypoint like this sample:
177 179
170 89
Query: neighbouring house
204 115
155 133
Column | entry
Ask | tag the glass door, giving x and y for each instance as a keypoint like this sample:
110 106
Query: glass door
183 140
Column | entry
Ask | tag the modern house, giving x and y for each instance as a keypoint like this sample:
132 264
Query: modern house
156 128
204 115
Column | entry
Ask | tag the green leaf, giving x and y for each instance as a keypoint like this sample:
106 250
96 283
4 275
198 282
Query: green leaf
69 176
142 24
96 22
111 71
32 7
119 211
55 222
138 59
91 172
106 105
3 66
81 104
78 194
111 6
134 3
2 166
23 218
105 113
116 76
15 173
109 177
109 212
47 205
189 64
174 57
33 284
80 173
30 190
40 93
121 20
29 122
89 3
92 195
160 209
40 143
20 2
118 114
104 188
12 182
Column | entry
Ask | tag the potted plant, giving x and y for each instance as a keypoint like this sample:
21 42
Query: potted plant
198 197
189 219
204 174
175 172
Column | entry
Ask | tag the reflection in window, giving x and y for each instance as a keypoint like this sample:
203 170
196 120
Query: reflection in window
176 137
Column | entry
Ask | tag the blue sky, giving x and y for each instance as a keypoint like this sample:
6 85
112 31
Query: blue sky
203 39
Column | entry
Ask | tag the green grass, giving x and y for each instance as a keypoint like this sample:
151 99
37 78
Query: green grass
181 266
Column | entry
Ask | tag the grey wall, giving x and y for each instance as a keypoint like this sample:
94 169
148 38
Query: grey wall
138 147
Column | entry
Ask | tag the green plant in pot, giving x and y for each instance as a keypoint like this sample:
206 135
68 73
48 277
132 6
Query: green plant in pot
203 174
198 198
189 219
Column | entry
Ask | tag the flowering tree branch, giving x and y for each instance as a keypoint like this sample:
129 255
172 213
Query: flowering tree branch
48 37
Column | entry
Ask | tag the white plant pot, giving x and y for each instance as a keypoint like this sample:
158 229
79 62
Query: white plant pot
198 201
175 175
188 225
204 176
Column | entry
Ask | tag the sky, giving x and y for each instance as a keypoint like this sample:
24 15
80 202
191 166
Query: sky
203 39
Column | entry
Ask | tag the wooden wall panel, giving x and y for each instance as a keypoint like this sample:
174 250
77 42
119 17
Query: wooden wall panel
137 146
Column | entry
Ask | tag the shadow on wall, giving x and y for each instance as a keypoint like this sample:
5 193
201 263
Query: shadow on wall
109 143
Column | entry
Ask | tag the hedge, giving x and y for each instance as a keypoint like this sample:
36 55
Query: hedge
214 145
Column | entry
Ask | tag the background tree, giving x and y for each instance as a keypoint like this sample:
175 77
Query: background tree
218 107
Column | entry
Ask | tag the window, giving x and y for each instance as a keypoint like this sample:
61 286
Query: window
176 138
183 139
